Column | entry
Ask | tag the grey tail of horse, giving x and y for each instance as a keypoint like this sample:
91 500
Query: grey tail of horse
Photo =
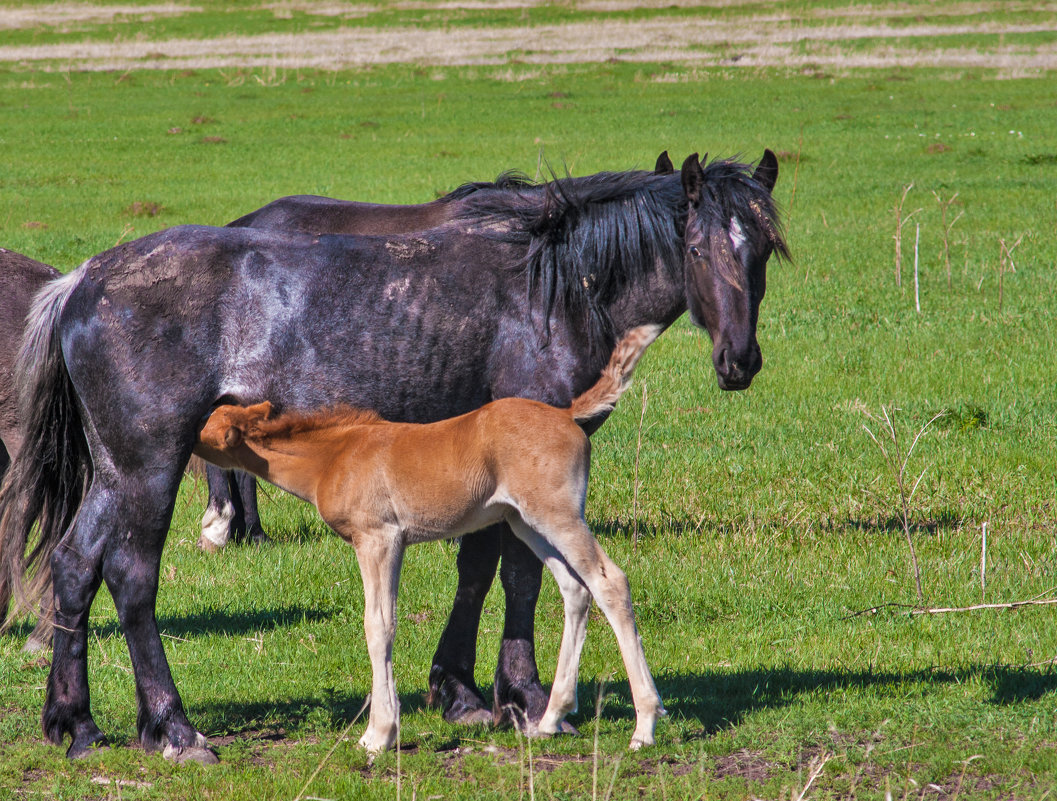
616 377
47 481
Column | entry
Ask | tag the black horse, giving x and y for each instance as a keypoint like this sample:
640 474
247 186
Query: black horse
524 294
231 511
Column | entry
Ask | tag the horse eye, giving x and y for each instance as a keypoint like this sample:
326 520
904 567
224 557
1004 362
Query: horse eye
695 253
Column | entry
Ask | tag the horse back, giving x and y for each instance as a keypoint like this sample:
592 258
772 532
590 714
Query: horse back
312 214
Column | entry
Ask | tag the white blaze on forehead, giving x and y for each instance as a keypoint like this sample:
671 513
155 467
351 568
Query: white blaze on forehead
737 235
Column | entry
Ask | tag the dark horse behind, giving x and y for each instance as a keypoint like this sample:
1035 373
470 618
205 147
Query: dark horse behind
524 294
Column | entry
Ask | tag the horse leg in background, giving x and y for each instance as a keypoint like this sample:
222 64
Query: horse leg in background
451 682
245 489
218 523
517 681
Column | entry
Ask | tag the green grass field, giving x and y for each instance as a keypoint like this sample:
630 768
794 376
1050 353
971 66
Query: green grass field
763 520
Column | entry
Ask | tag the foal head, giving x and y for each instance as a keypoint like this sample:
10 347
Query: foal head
227 427
731 231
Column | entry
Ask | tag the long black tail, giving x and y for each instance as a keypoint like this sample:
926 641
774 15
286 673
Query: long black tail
47 481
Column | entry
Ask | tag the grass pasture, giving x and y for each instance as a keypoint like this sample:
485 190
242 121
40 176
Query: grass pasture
763 521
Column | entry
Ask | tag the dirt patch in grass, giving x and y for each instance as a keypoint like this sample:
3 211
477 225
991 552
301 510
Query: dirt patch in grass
784 42
745 764
64 15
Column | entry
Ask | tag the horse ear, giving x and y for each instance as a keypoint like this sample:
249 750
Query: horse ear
233 437
693 178
664 164
767 170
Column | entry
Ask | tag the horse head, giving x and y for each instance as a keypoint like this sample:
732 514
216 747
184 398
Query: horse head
731 232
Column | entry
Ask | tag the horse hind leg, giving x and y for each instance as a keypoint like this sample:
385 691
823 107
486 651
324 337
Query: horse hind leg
451 681
129 522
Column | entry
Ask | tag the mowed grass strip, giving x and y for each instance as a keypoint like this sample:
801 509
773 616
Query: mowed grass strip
762 520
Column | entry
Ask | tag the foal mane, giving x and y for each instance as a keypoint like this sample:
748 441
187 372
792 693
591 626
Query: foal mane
293 423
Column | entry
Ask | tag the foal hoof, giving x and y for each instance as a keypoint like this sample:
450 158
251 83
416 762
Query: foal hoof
203 755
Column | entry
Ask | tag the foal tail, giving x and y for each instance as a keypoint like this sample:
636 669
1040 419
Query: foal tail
46 482
616 378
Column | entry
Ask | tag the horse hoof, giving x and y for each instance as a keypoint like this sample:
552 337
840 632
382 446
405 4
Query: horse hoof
87 750
565 727
259 538
203 755
34 646
470 717
207 545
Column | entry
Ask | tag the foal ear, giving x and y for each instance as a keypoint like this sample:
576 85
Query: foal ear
259 411
233 437
664 164
693 178
767 171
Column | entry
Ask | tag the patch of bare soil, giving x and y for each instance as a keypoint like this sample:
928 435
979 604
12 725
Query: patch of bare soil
782 42
63 15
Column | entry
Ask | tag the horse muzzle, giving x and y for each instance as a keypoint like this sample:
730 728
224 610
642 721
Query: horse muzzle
736 369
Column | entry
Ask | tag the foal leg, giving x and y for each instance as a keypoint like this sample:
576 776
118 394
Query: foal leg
610 588
380 555
451 681
577 602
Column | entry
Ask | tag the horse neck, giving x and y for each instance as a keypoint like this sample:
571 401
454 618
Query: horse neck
657 298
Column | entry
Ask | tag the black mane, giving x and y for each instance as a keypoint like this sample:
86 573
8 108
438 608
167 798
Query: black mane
587 238
511 179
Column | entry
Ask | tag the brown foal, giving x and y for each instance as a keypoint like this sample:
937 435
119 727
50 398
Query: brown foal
383 486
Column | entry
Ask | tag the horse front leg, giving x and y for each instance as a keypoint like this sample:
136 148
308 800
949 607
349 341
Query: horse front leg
246 489
223 515
451 681
519 696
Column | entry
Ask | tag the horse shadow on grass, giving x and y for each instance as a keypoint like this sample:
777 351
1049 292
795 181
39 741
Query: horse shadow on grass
210 622
715 700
